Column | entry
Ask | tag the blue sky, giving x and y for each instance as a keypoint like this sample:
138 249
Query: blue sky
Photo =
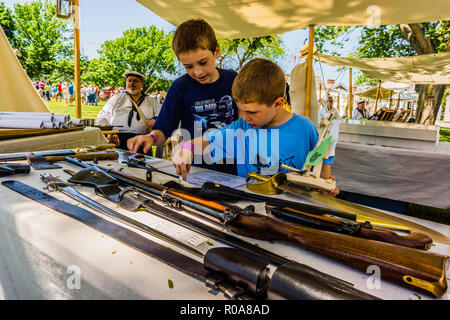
102 20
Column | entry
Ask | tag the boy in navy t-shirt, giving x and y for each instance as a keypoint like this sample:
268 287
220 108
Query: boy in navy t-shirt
198 100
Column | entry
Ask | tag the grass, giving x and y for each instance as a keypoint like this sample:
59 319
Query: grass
444 134
87 111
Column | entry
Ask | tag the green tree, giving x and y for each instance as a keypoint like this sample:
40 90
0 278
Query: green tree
41 38
236 52
394 41
64 69
7 22
146 50
361 79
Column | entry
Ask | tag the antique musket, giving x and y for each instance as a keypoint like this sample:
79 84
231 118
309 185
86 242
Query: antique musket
67 152
277 184
412 268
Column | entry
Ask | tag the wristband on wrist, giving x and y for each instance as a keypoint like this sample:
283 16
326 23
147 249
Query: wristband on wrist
187 145
153 137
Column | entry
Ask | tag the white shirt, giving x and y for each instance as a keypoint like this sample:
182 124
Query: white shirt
324 113
356 114
116 111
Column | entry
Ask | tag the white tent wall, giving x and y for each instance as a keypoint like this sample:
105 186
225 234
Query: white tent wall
16 90
298 92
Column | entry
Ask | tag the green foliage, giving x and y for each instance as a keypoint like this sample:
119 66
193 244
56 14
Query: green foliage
328 39
236 52
64 70
7 22
146 50
40 37
101 72
438 32
383 42
361 79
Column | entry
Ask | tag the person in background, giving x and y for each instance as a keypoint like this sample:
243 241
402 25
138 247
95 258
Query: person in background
71 92
47 91
60 91
360 111
121 110
324 114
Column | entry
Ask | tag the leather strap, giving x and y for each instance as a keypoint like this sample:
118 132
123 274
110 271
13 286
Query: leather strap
141 114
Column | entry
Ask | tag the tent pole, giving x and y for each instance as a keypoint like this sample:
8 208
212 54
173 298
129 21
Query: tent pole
338 102
398 100
309 60
350 93
77 76
390 100
378 95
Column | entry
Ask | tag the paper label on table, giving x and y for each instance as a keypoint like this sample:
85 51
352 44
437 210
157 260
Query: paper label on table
316 155
180 234
198 179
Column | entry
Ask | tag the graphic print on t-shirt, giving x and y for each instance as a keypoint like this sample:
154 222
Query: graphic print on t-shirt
213 114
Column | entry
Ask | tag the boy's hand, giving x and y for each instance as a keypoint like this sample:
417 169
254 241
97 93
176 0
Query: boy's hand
135 143
182 161
331 193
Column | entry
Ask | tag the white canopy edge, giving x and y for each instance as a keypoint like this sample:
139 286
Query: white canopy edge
423 69
256 18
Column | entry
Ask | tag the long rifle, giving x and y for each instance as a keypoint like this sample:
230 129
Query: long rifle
312 215
68 152
408 267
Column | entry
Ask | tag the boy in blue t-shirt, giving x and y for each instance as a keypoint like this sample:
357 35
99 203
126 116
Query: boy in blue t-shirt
266 135
198 100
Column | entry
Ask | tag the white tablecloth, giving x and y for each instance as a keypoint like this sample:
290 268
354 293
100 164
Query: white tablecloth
408 175
42 251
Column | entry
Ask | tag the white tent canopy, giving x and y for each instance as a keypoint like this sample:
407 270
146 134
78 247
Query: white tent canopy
250 18
426 68
16 90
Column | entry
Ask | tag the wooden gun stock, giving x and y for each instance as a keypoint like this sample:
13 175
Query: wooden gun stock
409 267
412 240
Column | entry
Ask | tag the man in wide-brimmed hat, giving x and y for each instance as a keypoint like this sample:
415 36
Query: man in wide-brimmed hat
131 112
360 111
